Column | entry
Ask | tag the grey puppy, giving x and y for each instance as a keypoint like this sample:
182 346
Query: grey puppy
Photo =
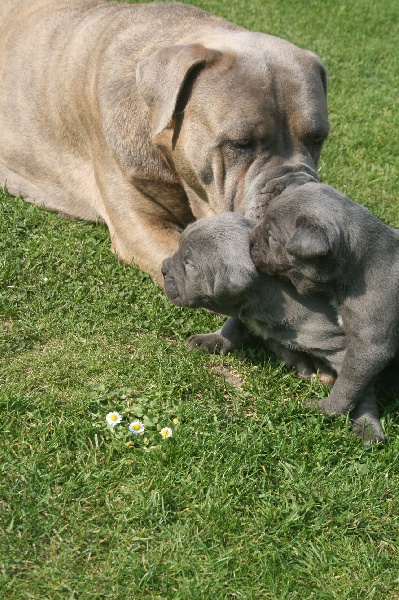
323 242
213 269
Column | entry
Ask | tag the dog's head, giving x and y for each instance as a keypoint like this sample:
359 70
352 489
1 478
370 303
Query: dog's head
238 118
212 267
302 238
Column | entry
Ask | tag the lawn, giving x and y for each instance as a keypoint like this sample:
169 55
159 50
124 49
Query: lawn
251 497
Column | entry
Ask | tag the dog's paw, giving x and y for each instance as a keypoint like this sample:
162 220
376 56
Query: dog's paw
369 431
312 405
321 407
326 377
300 362
324 373
209 343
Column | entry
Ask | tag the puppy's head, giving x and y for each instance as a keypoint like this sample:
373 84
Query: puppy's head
212 267
301 238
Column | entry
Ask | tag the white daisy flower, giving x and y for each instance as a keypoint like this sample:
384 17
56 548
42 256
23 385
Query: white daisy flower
136 427
113 418
166 432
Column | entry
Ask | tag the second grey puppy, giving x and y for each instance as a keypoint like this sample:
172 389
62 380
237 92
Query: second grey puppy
212 268
324 243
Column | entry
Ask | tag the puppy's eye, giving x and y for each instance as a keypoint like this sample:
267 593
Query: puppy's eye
268 236
314 140
189 268
318 140
272 240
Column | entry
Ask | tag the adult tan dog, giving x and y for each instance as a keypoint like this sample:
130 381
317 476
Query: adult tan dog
150 116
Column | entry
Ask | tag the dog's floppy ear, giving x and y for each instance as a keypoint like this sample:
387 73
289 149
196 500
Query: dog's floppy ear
309 240
161 76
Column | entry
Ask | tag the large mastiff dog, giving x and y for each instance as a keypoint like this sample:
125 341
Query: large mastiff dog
149 116
213 269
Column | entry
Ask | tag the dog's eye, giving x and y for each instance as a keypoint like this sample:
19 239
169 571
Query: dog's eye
314 140
241 145
318 140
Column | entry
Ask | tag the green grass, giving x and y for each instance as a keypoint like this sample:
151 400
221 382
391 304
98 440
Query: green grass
251 498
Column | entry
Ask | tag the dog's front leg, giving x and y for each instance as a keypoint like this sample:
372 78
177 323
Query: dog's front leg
141 226
360 366
365 419
232 335
235 333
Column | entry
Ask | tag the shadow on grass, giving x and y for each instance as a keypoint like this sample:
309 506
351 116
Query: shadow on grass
387 385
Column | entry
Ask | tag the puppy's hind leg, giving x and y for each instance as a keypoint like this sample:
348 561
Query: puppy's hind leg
304 365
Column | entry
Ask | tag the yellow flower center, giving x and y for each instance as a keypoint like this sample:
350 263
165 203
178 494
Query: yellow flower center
113 418
175 421
136 426
165 433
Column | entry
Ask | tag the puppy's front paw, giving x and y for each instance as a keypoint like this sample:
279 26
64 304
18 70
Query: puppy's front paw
369 432
321 407
209 343
324 373
312 405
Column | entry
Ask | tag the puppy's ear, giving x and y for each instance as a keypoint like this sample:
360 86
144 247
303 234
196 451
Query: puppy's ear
309 241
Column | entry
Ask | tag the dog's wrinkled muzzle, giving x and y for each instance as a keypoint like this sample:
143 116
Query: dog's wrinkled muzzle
268 184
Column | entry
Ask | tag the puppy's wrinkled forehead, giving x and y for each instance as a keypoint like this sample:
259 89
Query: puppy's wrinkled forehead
196 234
217 231
291 204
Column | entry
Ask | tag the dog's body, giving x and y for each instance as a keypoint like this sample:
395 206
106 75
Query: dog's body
213 269
323 242
149 116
